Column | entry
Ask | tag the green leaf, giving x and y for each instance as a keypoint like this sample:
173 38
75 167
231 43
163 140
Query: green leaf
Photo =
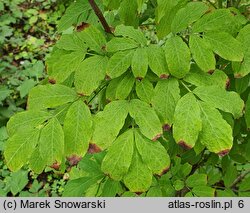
128 12
50 96
144 90
196 180
26 119
187 15
216 133
36 162
104 134
60 68
153 154
166 96
71 42
110 188
199 78
201 53
139 176
111 88
247 112
220 98
131 32
146 118
118 159
51 142
157 61
120 44
218 20
225 45
119 63
77 129
77 187
203 191
4 92
19 147
245 184
25 87
18 181
154 192
187 121
230 175
125 86
140 63
72 14
89 74
241 84
178 185
178 56
243 68
93 38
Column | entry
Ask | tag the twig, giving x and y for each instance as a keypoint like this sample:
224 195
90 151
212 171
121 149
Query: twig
99 14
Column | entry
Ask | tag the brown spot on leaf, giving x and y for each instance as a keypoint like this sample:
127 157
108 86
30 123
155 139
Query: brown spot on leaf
104 47
82 26
223 152
157 137
55 166
184 145
164 76
139 78
80 94
107 78
210 72
238 75
138 193
52 81
74 159
227 83
166 127
164 171
93 148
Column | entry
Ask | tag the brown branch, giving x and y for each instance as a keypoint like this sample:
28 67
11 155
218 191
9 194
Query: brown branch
239 178
99 14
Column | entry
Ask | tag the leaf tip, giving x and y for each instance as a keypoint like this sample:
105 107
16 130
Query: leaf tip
139 78
74 160
56 165
184 145
228 83
164 171
93 148
52 81
156 137
166 127
164 76
223 152
82 26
